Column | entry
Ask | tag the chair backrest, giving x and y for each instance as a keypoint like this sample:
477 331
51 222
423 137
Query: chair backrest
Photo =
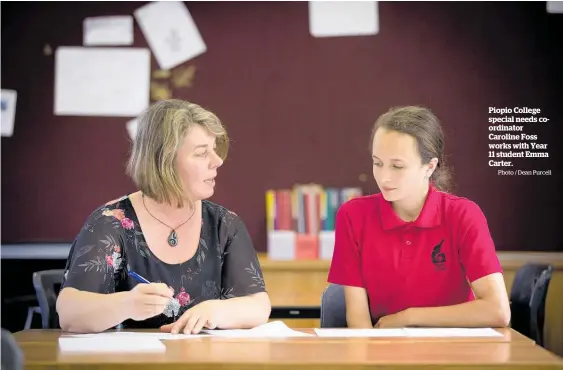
46 285
333 307
537 305
527 300
12 355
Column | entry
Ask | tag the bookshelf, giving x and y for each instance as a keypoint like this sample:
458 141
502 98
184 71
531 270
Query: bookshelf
300 221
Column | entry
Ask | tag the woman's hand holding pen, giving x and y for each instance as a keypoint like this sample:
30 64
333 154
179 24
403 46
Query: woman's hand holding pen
148 300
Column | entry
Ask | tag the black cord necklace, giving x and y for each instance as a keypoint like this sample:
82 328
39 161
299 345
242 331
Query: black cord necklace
173 237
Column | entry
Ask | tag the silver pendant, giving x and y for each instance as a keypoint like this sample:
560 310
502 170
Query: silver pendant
173 239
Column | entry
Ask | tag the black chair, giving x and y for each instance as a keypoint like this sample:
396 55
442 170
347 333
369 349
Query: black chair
527 300
19 303
333 307
47 284
12 355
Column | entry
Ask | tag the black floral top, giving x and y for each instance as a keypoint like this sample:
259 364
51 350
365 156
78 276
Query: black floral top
111 243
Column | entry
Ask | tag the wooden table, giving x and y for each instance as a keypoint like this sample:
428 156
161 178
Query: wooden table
301 283
512 350
508 336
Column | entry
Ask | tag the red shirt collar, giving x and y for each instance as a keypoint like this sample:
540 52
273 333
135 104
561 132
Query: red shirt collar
430 215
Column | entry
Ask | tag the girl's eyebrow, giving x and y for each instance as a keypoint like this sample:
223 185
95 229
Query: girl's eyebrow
392 159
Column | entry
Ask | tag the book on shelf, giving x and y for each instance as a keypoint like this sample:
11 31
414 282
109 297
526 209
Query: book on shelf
300 221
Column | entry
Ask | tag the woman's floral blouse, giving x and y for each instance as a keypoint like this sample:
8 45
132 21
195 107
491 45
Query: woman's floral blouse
111 243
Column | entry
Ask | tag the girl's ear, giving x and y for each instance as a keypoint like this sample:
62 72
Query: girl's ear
432 166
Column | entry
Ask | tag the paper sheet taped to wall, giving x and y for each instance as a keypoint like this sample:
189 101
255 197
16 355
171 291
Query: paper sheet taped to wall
343 18
110 30
170 32
554 6
132 128
8 105
104 81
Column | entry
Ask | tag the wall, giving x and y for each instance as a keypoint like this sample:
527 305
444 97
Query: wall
299 109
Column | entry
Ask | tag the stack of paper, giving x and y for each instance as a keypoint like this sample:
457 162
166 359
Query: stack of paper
360 333
109 344
452 332
275 329
409 332
137 335
120 341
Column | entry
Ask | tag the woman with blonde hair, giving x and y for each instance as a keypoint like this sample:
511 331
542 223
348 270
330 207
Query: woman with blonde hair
165 256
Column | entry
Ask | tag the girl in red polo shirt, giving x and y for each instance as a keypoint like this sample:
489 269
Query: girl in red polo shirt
413 254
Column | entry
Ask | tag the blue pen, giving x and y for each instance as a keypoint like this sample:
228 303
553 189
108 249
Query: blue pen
138 277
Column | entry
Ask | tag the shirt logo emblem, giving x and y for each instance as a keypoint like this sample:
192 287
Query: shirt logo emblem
438 257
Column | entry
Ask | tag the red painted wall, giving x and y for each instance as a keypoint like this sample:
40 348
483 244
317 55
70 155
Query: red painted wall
299 109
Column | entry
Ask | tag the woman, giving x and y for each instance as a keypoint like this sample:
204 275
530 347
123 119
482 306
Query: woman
199 263
413 254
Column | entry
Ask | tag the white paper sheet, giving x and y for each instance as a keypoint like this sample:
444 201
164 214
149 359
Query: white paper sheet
343 18
554 6
274 329
109 344
102 81
8 106
171 32
132 128
363 333
452 332
137 335
110 30
409 332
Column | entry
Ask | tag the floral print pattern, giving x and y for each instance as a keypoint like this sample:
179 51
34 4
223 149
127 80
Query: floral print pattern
119 214
127 224
114 260
210 290
181 300
256 276
111 243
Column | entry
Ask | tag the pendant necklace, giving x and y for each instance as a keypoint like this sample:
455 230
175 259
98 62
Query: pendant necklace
173 237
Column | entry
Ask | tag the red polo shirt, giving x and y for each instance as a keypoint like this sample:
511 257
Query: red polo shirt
423 263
